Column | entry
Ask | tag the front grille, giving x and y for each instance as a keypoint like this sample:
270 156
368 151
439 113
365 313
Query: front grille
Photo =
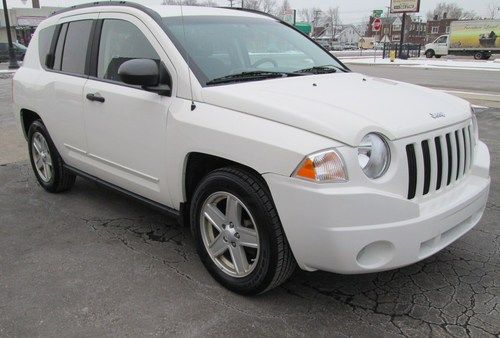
438 162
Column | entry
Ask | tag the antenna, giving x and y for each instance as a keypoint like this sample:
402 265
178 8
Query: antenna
193 105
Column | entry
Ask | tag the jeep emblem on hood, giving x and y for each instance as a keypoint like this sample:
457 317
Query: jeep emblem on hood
437 115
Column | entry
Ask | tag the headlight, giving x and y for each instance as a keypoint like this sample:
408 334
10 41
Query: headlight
475 127
374 155
323 166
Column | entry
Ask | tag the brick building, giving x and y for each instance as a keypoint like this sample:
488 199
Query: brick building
438 27
415 30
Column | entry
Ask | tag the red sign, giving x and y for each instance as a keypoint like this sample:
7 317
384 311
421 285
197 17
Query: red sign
377 25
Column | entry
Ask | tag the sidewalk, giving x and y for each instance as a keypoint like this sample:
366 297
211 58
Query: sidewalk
4 68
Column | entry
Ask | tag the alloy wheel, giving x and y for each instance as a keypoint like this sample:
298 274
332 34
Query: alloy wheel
41 157
230 234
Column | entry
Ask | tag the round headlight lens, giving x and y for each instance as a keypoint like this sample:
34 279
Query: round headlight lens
374 155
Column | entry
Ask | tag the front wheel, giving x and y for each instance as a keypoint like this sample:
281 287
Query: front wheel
238 233
429 54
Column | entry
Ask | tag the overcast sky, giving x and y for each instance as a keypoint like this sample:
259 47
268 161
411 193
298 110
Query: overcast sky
351 10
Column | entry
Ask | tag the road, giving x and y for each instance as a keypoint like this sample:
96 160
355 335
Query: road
466 80
91 262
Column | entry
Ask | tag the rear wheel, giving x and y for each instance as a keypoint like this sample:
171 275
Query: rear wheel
479 56
437 56
239 236
46 161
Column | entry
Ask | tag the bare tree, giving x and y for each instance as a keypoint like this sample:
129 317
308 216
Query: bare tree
207 3
331 19
251 4
285 6
450 11
268 6
311 15
493 9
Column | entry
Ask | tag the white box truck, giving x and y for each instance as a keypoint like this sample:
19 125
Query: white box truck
479 38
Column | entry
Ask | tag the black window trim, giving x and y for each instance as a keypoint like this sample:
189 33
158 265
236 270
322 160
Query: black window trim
92 57
53 46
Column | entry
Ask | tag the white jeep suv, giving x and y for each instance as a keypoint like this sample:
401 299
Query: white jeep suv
275 153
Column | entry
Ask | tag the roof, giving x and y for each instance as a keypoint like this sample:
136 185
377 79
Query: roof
169 11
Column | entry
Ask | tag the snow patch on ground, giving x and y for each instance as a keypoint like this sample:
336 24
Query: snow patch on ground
429 63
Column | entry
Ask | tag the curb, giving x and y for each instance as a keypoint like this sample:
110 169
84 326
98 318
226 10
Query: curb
490 100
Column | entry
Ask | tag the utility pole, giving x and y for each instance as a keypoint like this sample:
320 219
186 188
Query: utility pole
12 55
401 40
242 3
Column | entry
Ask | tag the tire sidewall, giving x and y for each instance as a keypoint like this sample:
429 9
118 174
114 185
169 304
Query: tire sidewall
51 185
263 273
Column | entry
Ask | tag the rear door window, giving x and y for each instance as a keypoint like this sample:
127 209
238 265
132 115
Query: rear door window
75 47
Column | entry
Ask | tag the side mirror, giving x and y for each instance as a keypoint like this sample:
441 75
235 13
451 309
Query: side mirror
140 72
145 73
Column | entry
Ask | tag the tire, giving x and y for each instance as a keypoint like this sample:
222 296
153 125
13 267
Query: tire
478 56
269 264
50 174
429 54
437 56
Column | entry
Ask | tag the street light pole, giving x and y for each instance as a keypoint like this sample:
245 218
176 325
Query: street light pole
12 55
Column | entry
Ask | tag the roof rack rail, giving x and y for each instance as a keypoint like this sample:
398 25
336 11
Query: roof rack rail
255 11
153 14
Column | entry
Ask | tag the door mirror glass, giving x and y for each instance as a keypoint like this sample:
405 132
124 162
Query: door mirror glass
139 72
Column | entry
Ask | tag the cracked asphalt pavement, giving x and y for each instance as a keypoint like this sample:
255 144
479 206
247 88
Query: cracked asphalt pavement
91 262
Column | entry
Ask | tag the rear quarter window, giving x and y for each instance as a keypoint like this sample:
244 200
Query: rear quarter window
44 41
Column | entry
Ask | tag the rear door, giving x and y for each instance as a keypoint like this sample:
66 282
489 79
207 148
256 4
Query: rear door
64 80
126 128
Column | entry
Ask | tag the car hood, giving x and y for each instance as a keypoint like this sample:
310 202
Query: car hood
343 106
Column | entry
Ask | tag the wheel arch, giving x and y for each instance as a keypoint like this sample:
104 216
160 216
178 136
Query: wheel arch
198 165
27 118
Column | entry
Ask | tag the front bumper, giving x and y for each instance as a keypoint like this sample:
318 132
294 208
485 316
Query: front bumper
359 230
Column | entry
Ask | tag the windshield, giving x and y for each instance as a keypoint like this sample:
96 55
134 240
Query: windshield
222 47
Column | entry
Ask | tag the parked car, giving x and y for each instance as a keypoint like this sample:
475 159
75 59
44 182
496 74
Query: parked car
273 162
19 51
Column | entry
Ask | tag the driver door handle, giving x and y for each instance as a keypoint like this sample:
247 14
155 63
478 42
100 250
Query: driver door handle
95 97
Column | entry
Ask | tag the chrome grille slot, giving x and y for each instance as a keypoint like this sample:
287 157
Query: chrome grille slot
437 162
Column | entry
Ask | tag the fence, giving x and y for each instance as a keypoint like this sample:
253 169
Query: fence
410 50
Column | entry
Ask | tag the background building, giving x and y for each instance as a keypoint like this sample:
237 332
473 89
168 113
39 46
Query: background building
23 22
438 27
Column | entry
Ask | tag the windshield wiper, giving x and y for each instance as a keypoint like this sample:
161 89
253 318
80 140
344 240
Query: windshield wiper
320 70
250 76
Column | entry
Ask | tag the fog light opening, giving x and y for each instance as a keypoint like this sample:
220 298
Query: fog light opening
376 255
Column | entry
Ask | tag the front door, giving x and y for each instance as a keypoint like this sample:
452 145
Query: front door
126 126
442 45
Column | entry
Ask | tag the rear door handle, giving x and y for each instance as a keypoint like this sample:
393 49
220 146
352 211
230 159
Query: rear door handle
95 97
